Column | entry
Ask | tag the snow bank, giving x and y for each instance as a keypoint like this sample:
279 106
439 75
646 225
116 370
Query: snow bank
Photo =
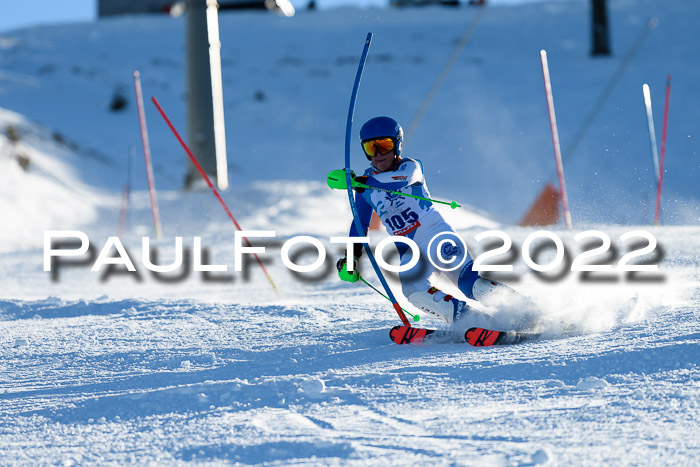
38 191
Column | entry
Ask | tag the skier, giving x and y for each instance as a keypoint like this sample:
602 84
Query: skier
382 140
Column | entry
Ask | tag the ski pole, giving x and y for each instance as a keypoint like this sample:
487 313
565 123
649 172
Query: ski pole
336 180
452 204
416 318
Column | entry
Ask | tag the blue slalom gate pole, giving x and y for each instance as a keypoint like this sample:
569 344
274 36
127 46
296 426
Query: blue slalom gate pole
348 180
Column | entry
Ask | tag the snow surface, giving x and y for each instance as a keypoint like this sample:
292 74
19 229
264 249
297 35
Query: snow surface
110 368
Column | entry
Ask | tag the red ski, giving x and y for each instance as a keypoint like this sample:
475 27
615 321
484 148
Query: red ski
478 337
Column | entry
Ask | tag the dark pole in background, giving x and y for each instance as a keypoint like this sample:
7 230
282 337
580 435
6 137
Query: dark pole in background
200 110
601 38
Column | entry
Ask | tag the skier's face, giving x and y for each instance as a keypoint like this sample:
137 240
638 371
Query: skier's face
383 162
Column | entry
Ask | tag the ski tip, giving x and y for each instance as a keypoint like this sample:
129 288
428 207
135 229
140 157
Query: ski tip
407 335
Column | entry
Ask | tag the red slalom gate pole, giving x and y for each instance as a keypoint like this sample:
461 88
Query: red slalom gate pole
555 137
657 212
147 155
211 186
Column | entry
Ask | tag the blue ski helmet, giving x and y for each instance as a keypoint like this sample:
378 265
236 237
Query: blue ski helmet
383 127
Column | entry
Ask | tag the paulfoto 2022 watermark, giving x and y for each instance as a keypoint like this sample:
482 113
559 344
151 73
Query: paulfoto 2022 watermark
597 255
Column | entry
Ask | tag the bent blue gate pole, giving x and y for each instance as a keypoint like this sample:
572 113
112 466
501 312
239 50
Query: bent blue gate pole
348 181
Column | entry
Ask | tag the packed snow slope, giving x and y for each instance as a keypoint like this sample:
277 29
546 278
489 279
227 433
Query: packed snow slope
115 368
485 139
136 371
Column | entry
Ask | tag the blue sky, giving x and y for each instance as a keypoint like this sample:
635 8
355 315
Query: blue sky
17 14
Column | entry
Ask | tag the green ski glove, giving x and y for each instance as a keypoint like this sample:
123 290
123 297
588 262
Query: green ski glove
344 274
336 179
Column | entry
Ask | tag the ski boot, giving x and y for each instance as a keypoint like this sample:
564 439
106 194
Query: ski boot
449 309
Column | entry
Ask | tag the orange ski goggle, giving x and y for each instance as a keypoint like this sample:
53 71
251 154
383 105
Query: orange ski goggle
374 146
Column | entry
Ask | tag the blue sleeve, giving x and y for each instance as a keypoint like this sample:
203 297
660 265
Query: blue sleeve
364 212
